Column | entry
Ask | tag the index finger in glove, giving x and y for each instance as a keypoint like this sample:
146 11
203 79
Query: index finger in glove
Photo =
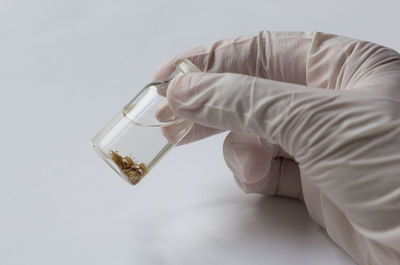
278 56
273 55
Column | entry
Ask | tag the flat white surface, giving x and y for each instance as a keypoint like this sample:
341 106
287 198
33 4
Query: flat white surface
66 67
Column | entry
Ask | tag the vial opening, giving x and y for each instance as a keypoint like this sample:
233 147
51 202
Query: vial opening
150 108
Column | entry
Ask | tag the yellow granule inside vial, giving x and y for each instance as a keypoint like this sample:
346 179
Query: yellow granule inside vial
133 170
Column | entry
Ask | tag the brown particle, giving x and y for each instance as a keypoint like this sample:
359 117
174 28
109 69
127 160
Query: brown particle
133 170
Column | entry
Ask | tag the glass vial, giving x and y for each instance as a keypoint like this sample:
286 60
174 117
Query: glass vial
143 131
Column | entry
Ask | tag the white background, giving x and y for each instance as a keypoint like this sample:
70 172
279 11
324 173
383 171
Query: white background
66 67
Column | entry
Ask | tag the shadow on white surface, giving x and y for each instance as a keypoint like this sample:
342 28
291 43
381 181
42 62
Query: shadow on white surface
244 231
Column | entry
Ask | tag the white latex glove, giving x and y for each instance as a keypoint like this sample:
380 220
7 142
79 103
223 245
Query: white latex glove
314 106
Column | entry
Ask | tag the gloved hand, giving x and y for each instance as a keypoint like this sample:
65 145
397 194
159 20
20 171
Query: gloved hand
310 114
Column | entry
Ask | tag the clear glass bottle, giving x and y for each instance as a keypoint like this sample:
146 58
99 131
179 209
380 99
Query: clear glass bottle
143 131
